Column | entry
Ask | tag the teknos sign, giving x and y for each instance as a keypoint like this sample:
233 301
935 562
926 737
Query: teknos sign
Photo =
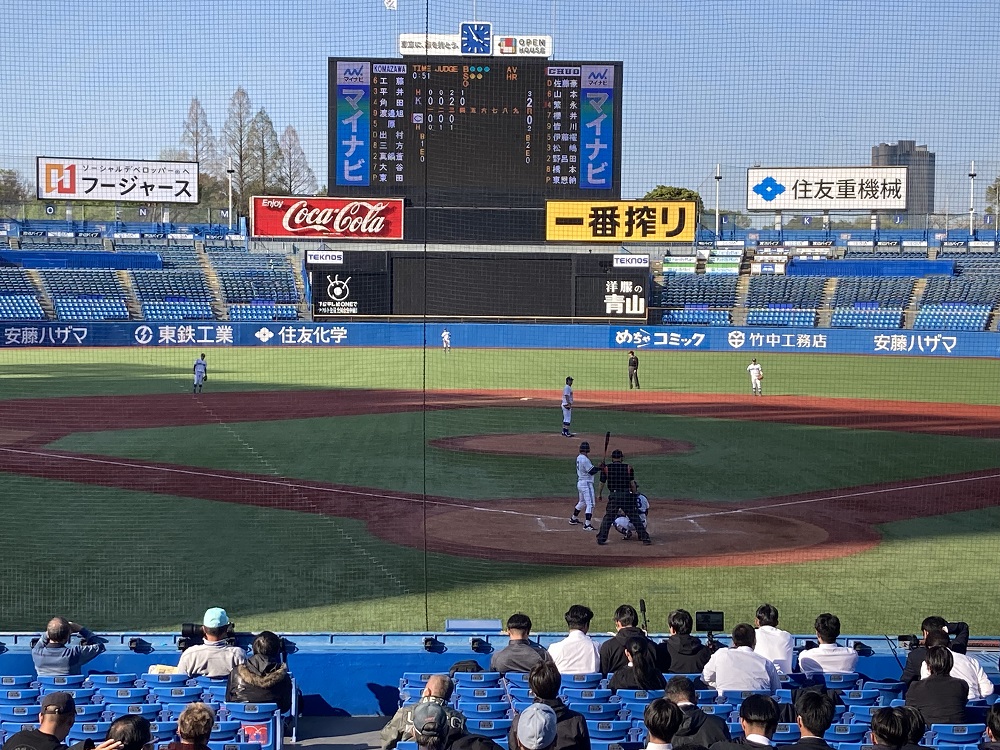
327 218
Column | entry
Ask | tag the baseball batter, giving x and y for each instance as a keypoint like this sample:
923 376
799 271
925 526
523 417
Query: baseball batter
585 471
567 408
756 373
200 373
624 525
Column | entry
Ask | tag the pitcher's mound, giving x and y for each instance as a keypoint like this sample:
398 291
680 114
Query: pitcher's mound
556 446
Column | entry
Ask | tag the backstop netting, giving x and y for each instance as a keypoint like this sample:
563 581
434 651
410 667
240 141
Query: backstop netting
396 229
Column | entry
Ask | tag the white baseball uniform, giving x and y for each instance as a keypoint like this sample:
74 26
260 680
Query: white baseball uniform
200 370
585 484
567 404
622 522
755 371
446 338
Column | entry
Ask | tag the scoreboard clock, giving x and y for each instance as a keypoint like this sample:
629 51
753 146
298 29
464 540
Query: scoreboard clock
477 38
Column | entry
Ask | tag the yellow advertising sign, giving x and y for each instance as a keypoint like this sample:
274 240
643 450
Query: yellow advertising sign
620 221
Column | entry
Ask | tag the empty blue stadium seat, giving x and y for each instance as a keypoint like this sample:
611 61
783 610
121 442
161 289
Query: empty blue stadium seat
225 730
89 730
957 734
123 679
59 682
787 733
176 693
479 694
163 730
149 711
581 681
484 710
592 695
639 696
608 730
14 681
19 697
19 713
846 733
597 711
483 679
853 698
841 681
492 728
122 694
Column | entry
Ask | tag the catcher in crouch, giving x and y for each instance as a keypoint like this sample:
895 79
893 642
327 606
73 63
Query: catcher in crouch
756 375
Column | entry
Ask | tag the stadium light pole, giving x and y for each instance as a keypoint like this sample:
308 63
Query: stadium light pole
972 198
229 171
718 182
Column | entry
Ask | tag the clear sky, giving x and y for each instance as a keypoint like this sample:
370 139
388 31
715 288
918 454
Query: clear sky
773 82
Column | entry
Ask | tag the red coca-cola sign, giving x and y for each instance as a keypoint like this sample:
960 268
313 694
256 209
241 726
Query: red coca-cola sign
327 218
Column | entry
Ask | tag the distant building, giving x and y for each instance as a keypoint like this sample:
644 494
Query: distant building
920 172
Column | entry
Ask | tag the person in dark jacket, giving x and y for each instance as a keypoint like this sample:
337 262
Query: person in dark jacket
815 715
613 650
698 728
640 673
759 720
957 631
915 729
571 727
521 653
940 698
681 653
992 729
263 678
891 727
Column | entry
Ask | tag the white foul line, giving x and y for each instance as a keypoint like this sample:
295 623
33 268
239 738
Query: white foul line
465 506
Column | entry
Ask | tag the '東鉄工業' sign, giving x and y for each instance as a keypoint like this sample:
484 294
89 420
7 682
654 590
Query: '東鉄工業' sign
620 221
826 189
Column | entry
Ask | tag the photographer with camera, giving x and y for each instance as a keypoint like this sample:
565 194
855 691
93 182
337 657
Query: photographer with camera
215 657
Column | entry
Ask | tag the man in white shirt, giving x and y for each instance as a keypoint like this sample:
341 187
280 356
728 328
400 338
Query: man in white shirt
772 643
567 408
829 657
577 653
662 719
739 668
965 667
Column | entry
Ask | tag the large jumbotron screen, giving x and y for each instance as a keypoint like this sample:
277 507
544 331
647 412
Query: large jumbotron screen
475 131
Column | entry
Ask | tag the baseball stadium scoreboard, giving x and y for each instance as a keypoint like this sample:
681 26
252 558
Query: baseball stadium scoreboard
472 131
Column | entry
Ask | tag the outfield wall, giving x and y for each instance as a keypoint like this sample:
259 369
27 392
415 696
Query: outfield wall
755 340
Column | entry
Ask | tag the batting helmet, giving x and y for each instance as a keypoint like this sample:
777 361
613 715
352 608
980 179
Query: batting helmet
617 454
584 447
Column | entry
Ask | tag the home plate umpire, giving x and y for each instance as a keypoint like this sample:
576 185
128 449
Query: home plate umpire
620 481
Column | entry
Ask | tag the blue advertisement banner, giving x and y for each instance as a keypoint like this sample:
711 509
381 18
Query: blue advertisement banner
506 336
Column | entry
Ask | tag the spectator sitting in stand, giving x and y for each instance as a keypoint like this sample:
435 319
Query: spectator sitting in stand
54 655
640 672
992 729
697 728
681 653
438 690
56 716
194 727
263 678
815 712
739 668
915 730
662 719
759 719
958 632
828 657
521 654
214 658
890 727
132 731
571 727
613 650
576 653
431 731
773 643
940 698
965 667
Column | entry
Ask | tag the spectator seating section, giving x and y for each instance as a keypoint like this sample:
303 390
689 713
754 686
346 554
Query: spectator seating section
800 292
866 317
86 294
887 291
952 316
781 317
263 311
173 294
18 298
698 316
686 289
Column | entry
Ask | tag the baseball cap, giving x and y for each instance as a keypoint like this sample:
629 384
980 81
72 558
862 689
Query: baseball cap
429 719
536 728
215 617
58 703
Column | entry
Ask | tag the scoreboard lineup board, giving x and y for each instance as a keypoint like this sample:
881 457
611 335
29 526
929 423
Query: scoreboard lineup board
459 131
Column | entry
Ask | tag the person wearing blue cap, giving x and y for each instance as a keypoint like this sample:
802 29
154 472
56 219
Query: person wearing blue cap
214 658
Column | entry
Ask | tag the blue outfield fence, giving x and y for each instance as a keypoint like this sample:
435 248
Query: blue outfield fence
506 336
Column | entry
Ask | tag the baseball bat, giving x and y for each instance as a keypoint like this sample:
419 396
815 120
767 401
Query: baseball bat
607 439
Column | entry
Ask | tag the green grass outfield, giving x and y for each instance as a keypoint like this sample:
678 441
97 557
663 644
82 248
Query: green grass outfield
136 560
43 373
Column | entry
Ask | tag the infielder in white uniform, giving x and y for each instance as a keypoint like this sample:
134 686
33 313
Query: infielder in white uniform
585 471
200 373
567 408
624 526
756 373
446 340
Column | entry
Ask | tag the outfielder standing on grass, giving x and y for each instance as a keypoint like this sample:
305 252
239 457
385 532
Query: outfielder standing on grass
585 471
567 408
620 480
200 373
756 375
